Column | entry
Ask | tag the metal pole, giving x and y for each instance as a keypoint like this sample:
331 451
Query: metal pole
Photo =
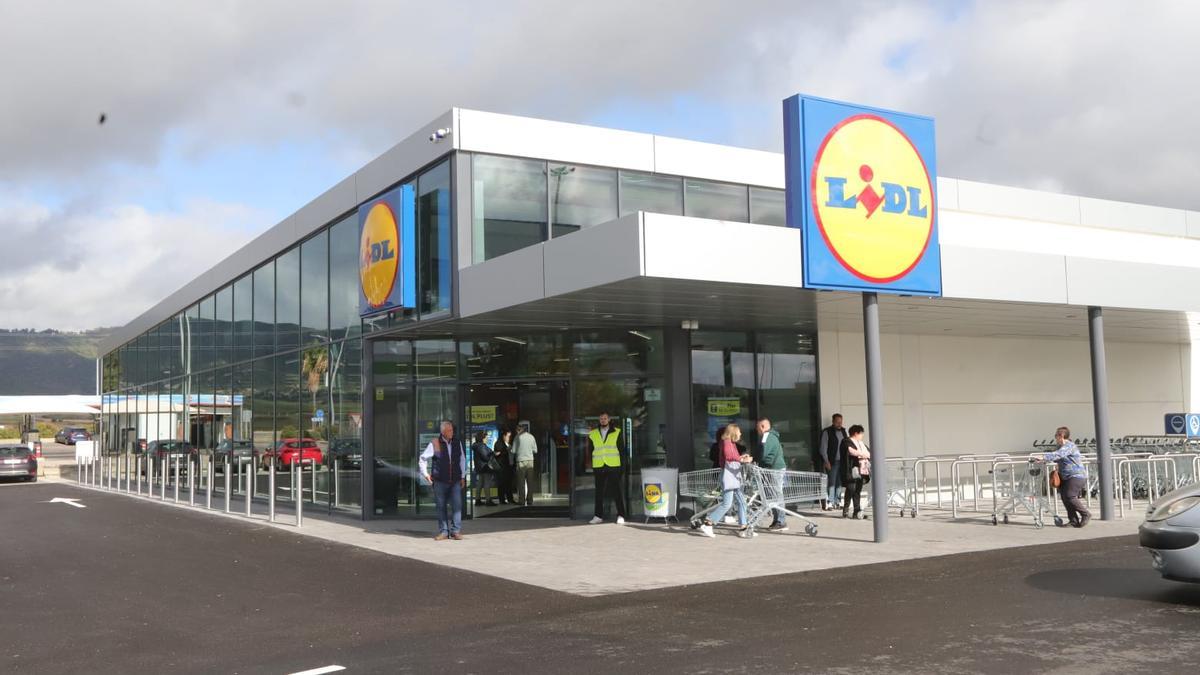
300 501
193 469
175 480
227 483
245 492
875 415
137 471
1100 407
162 479
271 492
208 482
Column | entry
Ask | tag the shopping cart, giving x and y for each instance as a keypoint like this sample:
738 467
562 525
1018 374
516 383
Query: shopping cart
1023 486
705 487
902 485
772 489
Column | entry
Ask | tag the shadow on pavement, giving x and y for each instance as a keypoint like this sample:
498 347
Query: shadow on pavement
1126 584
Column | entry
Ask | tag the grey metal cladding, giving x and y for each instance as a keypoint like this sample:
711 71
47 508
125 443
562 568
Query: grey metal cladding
400 160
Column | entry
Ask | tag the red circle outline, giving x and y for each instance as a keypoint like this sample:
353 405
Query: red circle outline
817 213
396 269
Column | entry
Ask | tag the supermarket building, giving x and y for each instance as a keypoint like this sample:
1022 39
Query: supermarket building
549 272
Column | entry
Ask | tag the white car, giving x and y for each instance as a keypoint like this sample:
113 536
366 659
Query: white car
1172 534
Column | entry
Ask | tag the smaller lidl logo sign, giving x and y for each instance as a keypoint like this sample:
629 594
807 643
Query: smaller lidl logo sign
861 186
386 254
653 493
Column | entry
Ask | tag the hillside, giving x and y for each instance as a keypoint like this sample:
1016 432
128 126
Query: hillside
48 362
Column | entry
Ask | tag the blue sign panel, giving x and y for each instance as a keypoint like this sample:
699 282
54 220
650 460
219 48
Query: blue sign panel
387 255
1175 423
1193 425
862 187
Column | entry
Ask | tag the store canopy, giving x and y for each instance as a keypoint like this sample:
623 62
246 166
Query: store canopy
50 405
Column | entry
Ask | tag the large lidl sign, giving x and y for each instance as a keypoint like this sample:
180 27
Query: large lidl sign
862 187
387 252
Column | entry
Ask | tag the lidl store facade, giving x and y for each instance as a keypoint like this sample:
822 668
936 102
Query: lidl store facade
492 269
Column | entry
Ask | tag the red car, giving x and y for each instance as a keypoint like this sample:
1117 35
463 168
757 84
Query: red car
291 450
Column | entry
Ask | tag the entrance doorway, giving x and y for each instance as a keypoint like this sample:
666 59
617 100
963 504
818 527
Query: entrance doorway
544 406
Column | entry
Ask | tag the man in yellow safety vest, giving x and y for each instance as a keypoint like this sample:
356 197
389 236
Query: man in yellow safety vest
606 466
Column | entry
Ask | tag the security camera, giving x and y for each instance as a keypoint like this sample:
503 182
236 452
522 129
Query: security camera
438 135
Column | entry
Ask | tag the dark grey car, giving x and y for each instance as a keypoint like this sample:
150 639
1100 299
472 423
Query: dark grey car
18 461
1172 534
239 454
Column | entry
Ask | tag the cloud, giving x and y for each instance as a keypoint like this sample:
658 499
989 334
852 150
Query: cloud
1093 98
79 268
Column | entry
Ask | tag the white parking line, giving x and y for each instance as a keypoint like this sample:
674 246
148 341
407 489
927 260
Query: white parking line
320 671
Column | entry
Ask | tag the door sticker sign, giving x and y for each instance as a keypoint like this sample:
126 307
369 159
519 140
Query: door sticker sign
1193 425
1176 423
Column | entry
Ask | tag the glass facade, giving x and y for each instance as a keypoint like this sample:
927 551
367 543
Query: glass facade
274 359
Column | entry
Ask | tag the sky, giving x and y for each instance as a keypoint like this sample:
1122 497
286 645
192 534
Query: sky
223 116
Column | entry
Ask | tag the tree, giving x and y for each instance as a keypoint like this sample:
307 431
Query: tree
314 366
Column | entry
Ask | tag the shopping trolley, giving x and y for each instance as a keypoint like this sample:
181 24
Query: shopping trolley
1024 487
777 489
902 485
705 487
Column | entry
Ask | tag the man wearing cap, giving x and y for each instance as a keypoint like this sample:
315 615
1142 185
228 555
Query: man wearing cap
525 451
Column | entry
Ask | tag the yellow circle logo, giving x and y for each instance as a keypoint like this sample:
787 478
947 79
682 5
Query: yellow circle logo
872 198
379 254
653 493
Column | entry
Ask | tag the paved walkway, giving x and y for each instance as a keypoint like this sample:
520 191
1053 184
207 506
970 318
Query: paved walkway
568 556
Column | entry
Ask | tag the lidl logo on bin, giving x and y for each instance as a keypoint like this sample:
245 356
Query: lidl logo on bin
653 493
379 254
872 198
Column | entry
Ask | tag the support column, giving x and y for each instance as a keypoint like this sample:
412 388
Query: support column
875 416
367 475
677 392
1100 408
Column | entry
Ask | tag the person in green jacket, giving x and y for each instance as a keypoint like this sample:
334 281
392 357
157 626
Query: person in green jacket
772 458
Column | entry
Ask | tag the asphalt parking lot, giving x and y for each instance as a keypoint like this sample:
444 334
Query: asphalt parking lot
129 586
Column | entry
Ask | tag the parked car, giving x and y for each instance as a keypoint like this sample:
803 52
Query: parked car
347 451
18 461
69 435
291 450
171 450
1171 533
239 453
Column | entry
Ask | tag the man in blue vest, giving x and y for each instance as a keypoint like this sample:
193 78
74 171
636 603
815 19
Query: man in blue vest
604 442
448 475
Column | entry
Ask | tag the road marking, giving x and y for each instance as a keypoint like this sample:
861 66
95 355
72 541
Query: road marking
64 500
320 671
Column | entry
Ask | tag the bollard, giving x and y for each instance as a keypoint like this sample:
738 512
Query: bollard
271 493
227 484
175 481
208 482
336 483
245 492
138 470
192 471
300 502
162 479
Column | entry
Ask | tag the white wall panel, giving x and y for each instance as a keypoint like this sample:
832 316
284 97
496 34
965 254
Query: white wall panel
677 247
947 193
1133 217
971 395
1110 283
1017 202
1192 220
989 274
543 139
718 162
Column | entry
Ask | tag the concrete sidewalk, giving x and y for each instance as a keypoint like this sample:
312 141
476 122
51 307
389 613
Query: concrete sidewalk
568 556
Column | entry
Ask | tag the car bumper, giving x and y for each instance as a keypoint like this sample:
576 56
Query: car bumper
1175 550
11 470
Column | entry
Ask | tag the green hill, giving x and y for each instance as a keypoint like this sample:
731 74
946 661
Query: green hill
49 361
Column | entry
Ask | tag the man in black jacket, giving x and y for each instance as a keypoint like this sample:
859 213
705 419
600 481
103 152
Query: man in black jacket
826 459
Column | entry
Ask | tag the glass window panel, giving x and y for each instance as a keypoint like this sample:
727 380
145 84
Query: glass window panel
393 362
787 392
722 389
651 192
243 319
433 235
768 206
436 360
223 327
393 433
509 205
223 411
287 300
632 351
343 279
719 201
203 330
517 356
175 335
345 420
314 289
242 403
264 309
263 424
581 196
287 396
